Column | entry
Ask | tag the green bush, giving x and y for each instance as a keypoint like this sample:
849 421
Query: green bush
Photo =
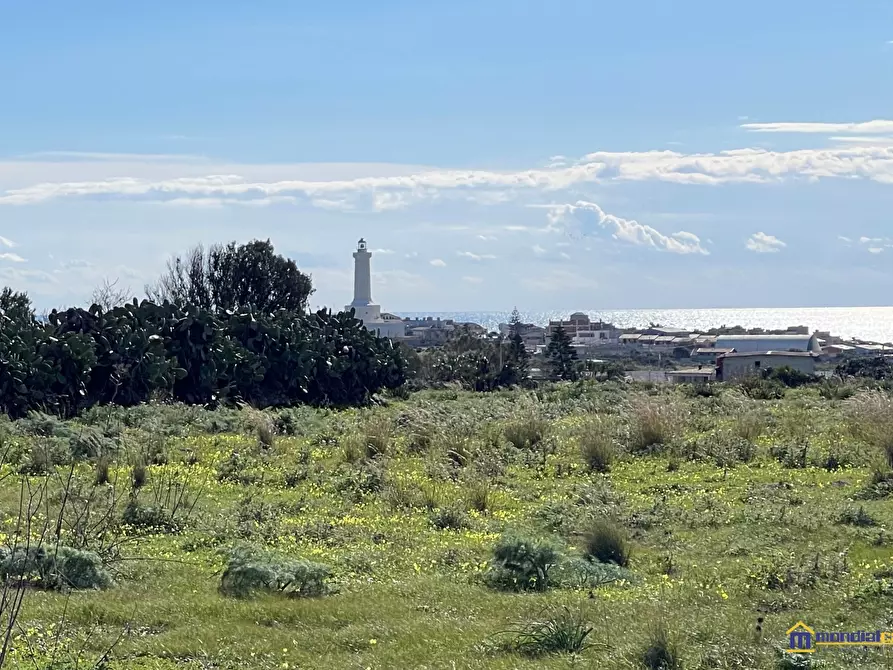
149 517
522 563
857 517
251 571
451 517
654 423
55 568
597 446
561 631
78 359
527 433
661 652
606 543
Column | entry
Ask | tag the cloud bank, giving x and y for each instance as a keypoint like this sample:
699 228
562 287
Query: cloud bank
380 193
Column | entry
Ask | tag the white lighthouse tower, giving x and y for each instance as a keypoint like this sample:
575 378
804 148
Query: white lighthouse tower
364 309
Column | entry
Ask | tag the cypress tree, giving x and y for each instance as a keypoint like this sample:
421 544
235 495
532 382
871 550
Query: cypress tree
562 356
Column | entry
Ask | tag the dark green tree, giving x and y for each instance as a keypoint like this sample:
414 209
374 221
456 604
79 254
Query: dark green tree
233 278
16 307
562 356
518 358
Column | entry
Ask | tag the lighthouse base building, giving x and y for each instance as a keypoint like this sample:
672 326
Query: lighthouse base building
384 325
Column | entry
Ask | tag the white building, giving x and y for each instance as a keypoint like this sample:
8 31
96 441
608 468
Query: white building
759 343
384 325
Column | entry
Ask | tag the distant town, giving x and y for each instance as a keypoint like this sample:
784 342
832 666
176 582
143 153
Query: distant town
655 353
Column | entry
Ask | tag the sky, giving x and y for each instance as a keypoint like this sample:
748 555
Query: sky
551 154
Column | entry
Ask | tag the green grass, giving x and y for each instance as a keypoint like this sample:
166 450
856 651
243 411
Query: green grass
407 530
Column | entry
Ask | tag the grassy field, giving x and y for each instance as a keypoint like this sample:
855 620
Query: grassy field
734 517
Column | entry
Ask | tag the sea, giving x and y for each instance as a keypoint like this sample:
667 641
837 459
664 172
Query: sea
872 324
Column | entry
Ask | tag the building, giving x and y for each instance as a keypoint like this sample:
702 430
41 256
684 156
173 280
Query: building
698 375
745 364
653 340
364 309
709 354
583 331
865 349
756 343
531 334
835 350
672 332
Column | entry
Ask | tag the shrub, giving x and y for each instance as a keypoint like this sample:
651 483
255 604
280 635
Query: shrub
479 496
661 652
762 389
57 568
361 480
147 517
527 433
449 518
353 448
597 445
790 456
857 517
138 475
580 573
378 432
562 631
90 443
262 425
102 471
654 422
606 543
250 571
44 455
790 377
522 563
785 660
749 425
870 416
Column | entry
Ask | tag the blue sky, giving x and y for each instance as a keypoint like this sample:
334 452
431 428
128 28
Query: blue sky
560 154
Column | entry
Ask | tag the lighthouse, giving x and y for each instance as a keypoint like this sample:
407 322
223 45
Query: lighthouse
384 325
362 275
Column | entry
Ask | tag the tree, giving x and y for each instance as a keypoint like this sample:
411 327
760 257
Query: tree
233 278
109 295
518 357
561 355
16 307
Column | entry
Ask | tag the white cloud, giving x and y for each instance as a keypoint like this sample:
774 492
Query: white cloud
383 188
844 238
105 156
877 244
476 257
876 127
582 218
487 238
8 256
382 202
6 242
381 251
762 243
412 254
438 263
538 250
472 280
875 140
